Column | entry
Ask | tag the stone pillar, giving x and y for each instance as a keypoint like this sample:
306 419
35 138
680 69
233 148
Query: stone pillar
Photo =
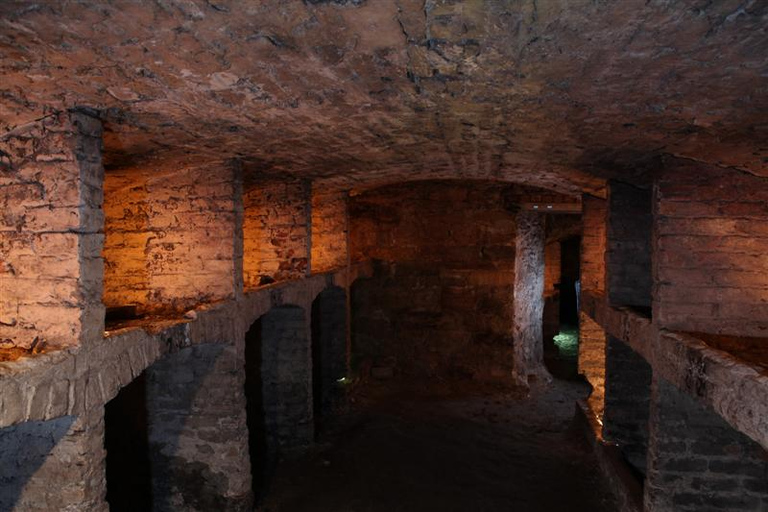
54 465
51 221
697 462
628 246
287 377
591 335
197 431
529 297
627 401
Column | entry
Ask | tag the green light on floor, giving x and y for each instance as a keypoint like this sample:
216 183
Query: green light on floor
567 342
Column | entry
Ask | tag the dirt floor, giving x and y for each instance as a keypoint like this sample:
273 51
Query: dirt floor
417 447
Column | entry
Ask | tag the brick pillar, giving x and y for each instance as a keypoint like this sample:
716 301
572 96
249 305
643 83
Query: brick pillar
627 401
591 335
51 221
54 465
697 462
287 377
529 297
197 430
628 246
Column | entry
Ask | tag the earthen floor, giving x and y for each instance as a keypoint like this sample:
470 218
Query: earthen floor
411 447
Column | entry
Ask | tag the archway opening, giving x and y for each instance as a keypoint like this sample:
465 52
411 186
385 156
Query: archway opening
255 419
129 483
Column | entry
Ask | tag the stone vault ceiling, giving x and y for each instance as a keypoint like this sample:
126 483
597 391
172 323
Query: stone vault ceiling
549 93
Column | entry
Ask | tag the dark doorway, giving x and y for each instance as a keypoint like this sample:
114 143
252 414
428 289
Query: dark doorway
129 483
570 271
257 436
329 352
562 355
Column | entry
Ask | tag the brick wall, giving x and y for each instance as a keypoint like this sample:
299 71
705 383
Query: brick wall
329 230
697 462
441 302
591 335
593 243
275 231
50 233
711 268
628 250
170 240
627 401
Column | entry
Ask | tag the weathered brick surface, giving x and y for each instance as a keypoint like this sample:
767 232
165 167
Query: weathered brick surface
627 401
528 305
275 231
171 240
329 230
592 360
50 232
442 300
710 253
628 249
697 462
593 243
54 465
197 431
591 335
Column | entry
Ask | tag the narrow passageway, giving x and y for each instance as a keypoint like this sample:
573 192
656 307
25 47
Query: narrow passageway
411 446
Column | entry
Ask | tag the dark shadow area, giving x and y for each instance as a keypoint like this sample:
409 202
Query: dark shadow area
561 351
429 446
129 482
257 436
23 450
329 349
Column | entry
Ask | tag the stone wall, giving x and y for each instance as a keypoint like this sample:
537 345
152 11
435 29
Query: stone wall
54 465
441 300
276 227
711 268
697 462
329 230
170 239
628 250
50 233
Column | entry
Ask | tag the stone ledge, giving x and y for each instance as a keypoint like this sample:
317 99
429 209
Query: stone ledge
734 388
73 381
